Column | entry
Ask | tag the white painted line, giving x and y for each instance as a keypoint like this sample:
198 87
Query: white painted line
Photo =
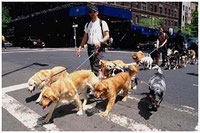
195 85
14 87
25 115
129 123
188 107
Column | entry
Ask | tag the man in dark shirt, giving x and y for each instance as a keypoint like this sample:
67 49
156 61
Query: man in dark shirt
179 42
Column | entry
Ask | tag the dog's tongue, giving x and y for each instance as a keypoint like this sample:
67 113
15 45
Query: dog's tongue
44 107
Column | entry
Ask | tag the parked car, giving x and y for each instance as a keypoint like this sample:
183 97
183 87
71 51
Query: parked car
146 45
8 44
32 42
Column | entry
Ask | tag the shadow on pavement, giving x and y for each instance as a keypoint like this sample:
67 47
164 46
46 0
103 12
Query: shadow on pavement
24 68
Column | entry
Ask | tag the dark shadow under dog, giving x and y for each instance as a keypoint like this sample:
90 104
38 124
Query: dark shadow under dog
59 112
143 106
32 98
100 105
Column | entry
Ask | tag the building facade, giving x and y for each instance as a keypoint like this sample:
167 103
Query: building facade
185 14
169 11
52 21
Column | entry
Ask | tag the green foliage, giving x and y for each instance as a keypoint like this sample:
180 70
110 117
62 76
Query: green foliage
151 22
5 17
192 29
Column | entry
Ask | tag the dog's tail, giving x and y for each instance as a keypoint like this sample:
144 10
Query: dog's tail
156 67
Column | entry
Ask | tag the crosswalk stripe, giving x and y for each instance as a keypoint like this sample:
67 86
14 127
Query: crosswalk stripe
14 87
25 115
129 123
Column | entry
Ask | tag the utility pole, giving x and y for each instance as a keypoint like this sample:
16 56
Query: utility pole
75 26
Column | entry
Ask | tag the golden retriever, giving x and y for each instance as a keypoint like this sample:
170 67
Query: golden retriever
83 79
61 91
107 66
43 77
109 88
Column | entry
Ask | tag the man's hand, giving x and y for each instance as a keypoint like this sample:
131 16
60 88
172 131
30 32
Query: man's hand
78 53
98 45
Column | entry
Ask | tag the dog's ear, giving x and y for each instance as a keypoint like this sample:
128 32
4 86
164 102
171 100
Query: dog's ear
55 95
105 87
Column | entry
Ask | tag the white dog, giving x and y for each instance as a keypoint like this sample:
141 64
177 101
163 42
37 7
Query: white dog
147 62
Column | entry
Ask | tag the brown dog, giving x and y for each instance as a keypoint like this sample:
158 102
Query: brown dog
61 91
192 56
137 56
43 77
109 88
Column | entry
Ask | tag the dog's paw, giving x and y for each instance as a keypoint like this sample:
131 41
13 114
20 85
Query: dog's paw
124 99
80 112
104 114
46 120
135 87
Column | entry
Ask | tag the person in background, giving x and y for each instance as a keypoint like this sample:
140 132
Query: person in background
179 42
162 46
94 38
3 41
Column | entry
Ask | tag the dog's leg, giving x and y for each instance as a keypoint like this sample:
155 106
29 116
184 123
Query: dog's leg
79 104
52 108
125 93
110 104
84 94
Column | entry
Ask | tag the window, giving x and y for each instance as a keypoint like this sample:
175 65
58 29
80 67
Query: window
137 5
175 13
137 19
169 23
155 8
175 23
183 7
144 6
183 18
172 12
151 7
165 10
169 12
161 10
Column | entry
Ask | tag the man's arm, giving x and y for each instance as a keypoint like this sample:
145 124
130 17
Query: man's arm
106 37
83 41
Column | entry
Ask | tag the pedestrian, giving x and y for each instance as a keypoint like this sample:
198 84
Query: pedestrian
96 34
3 41
179 42
162 46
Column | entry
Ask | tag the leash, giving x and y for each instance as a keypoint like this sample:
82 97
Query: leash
94 51
152 51
142 81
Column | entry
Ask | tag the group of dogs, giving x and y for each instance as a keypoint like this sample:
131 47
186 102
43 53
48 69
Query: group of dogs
176 60
57 86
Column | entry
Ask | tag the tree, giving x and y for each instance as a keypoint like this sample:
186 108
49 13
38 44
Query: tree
151 22
5 18
194 24
192 29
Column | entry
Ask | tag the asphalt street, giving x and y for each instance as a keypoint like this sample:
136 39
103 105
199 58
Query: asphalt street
178 111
